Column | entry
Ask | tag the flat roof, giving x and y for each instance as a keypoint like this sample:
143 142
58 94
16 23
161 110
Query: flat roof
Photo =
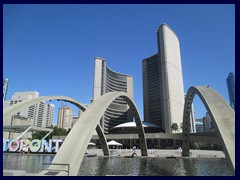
21 128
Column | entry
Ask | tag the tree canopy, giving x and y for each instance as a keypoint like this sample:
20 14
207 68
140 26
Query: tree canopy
174 127
56 132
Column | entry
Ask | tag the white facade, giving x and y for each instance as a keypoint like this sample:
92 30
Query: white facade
50 114
98 76
173 92
107 80
44 115
163 90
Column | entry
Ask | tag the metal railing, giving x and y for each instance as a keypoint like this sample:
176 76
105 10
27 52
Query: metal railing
58 164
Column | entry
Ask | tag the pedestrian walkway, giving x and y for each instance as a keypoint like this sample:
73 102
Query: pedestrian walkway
161 153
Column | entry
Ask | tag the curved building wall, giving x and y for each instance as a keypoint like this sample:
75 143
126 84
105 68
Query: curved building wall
163 94
173 92
107 80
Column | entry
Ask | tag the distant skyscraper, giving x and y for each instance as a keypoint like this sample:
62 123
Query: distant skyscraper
106 80
208 123
231 89
65 117
163 93
5 87
199 125
40 114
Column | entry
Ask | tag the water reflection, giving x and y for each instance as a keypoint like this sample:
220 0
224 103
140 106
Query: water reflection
28 163
138 166
206 167
143 166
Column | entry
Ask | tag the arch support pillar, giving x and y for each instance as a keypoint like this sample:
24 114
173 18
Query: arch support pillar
103 141
140 129
73 149
222 115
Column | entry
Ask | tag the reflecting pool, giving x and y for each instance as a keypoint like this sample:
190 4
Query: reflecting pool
138 166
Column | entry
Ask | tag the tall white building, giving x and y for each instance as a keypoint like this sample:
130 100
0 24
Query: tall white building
163 93
65 117
40 114
45 115
107 80
50 114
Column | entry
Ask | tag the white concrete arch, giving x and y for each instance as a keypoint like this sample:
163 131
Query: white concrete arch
10 111
73 149
222 115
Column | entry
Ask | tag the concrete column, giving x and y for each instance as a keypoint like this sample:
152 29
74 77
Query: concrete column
103 141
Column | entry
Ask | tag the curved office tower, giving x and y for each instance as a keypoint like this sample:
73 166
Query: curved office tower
163 91
106 80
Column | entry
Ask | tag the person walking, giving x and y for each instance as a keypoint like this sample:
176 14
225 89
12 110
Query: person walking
134 151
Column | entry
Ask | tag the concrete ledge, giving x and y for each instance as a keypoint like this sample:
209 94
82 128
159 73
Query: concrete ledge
17 173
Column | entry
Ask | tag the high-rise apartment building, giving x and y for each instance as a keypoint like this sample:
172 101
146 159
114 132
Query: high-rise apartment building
65 117
40 114
107 80
163 92
45 115
231 89
5 87
50 114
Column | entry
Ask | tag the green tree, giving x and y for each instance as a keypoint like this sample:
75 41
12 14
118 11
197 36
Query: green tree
56 132
40 135
174 127
59 131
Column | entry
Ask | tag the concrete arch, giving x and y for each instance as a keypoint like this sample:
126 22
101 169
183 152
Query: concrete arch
10 111
86 125
222 115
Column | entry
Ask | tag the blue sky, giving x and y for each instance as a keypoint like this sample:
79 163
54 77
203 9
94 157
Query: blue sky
51 48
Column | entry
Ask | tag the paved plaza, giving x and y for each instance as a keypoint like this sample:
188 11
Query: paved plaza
162 153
